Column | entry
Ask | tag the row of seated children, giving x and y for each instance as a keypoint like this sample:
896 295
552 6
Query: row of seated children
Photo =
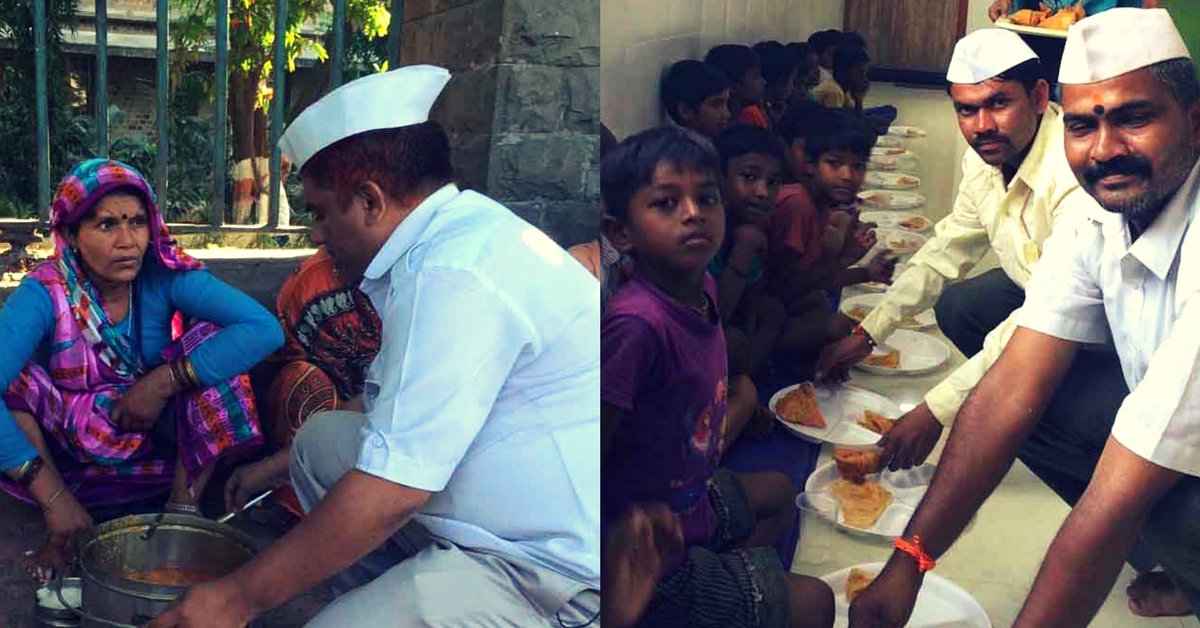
664 400
756 85
673 336
789 237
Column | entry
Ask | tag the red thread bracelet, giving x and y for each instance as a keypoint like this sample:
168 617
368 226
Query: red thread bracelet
862 333
913 548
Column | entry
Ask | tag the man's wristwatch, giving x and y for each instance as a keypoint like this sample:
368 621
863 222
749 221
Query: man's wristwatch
28 471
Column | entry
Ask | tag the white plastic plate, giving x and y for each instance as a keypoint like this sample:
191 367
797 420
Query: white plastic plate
842 407
907 488
906 131
919 353
906 163
940 603
904 221
891 199
874 286
900 242
889 142
892 181
924 320
881 150
1008 24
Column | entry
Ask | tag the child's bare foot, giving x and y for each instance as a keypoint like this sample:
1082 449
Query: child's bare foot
1152 594
41 565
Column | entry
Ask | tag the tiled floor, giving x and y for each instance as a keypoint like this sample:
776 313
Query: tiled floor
998 556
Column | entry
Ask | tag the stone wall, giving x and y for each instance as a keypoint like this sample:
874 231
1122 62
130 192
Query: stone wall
523 106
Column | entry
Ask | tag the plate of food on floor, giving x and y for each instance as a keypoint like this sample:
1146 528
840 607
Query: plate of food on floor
880 150
875 286
831 414
906 352
860 306
906 163
890 199
904 221
892 181
940 603
900 242
906 131
886 141
857 495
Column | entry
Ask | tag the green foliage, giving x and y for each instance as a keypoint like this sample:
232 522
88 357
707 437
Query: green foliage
190 138
252 34
70 138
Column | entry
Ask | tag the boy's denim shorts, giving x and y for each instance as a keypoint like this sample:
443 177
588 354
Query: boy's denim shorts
718 586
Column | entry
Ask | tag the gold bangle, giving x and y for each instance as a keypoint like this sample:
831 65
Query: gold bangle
191 373
22 470
50 501
174 380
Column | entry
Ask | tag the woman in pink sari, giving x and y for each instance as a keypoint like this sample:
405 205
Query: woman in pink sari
127 404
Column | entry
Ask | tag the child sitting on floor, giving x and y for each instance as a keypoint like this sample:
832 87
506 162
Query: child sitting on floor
743 69
812 244
794 128
599 256
808 72
663 399
848 84
696 96
779 67
751 172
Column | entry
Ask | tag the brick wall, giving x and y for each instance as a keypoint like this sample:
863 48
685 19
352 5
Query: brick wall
131 88
640 39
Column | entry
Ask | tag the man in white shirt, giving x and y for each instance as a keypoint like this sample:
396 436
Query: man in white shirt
482 408
1130 100
1016 187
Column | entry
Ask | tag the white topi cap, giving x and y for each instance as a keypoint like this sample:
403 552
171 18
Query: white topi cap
1119 41
401 97
985 54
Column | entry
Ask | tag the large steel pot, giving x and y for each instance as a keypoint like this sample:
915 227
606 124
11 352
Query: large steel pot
142 543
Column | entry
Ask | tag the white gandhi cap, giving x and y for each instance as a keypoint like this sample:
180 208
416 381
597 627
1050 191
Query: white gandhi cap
985 54
1119 41
401 97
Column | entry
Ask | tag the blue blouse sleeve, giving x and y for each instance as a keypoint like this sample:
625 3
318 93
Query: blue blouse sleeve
25 322
249 333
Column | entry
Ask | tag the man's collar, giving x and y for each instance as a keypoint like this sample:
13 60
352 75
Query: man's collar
1036 163
1156 248
408 233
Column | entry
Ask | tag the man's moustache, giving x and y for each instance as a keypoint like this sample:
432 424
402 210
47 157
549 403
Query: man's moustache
1123 165
984 139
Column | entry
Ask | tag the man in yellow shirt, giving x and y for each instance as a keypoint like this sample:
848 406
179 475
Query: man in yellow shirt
1016 186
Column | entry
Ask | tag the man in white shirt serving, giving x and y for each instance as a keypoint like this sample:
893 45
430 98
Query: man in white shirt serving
1132 137
1016 187
482 408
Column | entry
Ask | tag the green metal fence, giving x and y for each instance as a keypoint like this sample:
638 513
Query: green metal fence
279 67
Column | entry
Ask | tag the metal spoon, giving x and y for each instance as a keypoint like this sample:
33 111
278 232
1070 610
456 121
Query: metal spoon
250 504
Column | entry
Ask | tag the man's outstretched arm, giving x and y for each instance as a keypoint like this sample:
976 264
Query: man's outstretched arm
994 422
1086 556
358 514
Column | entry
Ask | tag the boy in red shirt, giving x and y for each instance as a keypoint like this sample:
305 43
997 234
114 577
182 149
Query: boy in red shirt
741 65
812 242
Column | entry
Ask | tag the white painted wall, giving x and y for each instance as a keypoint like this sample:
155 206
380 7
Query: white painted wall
640 38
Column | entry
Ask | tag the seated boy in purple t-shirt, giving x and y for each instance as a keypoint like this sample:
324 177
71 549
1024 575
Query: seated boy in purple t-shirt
664 393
